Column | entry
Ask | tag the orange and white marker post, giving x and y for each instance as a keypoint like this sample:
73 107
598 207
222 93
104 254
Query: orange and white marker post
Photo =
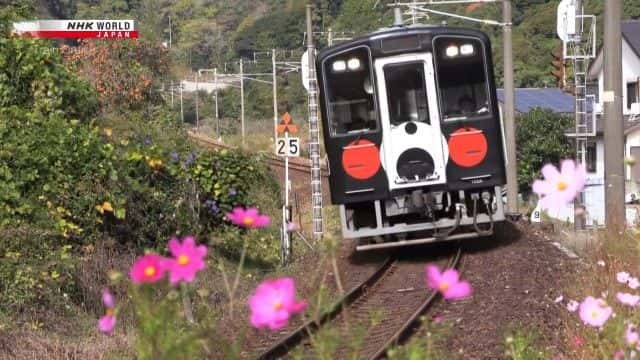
286 147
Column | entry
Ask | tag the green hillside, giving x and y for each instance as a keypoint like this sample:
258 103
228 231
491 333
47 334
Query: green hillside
207 33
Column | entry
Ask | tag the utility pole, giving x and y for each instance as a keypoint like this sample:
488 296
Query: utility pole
614 127
508 111
197 114
215 84
275 95
242 99
170 51
314 134
181 107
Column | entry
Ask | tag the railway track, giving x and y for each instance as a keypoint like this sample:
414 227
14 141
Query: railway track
273 161
396 293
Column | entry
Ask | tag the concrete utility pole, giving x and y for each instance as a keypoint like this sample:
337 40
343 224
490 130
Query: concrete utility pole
275 96
508 112
242 99
614 127
181 107
197 114
215 84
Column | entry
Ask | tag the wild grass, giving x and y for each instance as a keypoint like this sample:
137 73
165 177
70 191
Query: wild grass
603 259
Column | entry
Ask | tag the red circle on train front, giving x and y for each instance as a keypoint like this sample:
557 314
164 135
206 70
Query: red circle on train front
467 147
361 159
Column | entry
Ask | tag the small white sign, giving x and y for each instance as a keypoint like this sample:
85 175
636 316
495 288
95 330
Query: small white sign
608 96
536 215
289 146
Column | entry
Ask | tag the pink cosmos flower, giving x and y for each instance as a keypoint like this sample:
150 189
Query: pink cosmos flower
447 282
249 218
559 188
631 335
273 303
187 259
572 305
622 277
578 341
148 269
594 312
619 355
628 299
292 227
633 283
108 321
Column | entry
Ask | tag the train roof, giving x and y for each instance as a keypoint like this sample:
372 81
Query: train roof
423 35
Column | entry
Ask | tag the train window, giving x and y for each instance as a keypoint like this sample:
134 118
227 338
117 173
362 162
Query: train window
406 92
350 93
462 77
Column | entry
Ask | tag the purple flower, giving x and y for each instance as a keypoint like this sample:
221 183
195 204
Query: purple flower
189 160
232 192
212 206
175 157
146 141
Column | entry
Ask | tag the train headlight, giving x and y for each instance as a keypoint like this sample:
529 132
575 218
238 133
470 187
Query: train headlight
339 66
466 49
451 51
353 64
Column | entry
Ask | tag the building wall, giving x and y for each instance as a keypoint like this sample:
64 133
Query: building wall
630 73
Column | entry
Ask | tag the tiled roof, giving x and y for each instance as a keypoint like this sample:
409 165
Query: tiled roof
631 33
553 99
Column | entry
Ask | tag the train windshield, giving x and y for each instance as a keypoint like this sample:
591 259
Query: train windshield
407 95
462 78
350 93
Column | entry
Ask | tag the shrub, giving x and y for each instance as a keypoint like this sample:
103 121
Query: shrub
541 140
36 273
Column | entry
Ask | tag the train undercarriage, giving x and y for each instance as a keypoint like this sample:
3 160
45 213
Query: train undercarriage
422 217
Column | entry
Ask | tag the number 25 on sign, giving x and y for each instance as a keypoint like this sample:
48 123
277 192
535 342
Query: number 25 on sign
289 146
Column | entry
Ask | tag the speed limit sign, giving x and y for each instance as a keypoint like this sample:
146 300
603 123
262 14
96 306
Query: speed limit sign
289 146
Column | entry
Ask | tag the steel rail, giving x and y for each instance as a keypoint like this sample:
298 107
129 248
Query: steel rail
406 327
284 346
295 337
271 160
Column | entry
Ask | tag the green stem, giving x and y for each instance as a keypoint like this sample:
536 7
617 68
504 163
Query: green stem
237 278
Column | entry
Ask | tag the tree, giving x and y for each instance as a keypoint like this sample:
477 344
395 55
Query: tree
123 72
540 135
359 16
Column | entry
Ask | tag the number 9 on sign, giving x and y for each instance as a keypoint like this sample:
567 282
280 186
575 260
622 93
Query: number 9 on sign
288 146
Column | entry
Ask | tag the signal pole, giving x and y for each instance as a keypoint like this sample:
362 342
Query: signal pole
614 127
242 100
509 121
275 95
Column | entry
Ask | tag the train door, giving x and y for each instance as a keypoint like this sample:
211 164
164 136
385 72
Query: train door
414 151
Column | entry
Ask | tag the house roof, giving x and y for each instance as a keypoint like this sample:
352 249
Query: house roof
553 99
630 33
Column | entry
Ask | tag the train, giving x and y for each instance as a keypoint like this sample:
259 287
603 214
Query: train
413 135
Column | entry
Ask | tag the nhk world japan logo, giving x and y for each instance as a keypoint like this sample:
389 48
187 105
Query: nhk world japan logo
77 29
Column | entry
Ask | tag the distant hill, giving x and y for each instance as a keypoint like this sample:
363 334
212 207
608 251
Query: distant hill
210 32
